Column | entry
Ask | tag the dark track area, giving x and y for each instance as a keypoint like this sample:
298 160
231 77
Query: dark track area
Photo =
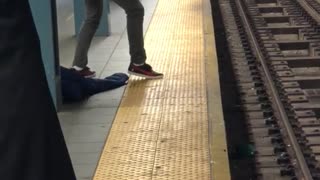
268 54
240 163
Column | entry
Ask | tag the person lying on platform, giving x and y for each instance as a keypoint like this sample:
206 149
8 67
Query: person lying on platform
76 87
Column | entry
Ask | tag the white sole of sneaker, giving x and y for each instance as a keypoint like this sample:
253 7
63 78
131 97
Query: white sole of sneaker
91 76
145 76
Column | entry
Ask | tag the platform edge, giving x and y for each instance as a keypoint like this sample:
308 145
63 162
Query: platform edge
220 169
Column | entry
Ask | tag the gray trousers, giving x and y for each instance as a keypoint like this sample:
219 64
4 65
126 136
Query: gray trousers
135 13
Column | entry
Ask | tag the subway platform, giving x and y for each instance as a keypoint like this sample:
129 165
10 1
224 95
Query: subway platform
172 128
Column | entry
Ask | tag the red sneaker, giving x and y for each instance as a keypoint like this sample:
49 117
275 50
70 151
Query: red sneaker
86 72
144 70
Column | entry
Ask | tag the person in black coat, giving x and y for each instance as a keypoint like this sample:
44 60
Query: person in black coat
32 146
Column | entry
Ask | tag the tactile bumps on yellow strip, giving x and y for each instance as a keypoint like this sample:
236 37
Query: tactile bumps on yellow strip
161 128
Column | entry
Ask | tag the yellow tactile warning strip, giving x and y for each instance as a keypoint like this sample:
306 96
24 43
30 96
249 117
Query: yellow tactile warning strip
217 136
161 128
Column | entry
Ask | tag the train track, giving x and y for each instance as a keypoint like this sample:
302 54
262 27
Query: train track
275 52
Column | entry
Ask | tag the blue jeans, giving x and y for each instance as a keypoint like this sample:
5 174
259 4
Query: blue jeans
77 88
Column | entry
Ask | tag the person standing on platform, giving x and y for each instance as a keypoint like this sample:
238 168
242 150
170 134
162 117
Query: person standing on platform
135 14
32 146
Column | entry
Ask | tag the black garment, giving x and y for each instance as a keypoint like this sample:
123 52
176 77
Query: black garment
77 88
32 146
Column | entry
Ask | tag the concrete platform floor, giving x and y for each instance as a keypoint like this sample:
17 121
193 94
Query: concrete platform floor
86 125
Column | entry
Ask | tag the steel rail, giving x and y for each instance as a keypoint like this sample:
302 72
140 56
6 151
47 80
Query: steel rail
295 145
310 10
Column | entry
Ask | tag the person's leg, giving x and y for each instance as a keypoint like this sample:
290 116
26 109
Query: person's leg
135 14
94 86
94 10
